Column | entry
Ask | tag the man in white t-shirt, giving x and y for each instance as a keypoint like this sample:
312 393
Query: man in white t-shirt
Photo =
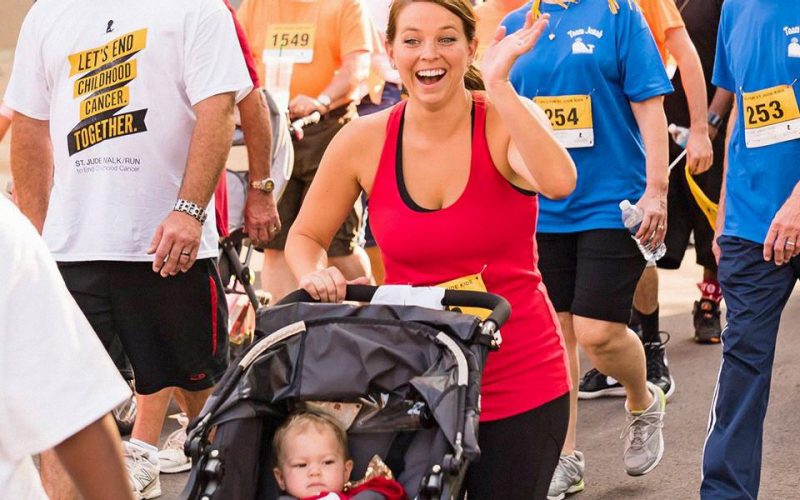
57 384
123 121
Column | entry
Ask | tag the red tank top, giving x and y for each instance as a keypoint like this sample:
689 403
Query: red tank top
490 228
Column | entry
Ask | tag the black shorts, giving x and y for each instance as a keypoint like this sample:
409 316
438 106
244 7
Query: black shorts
173 330
592 273
685 217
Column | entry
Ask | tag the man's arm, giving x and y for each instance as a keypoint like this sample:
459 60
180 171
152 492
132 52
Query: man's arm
177 238
699 152
649 115
93 458
720 105
720 221
32 166
345 83
261 219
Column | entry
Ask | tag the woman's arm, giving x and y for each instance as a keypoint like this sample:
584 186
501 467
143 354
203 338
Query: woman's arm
330 198
534 154
652 122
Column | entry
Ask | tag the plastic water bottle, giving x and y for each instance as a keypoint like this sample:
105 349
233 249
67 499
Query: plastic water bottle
679 134
632 217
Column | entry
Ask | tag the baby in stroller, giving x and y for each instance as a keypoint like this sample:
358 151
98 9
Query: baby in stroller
312 462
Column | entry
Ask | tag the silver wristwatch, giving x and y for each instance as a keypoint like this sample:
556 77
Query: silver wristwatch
191 208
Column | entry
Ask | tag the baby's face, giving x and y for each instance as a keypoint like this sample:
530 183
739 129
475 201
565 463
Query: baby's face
312 462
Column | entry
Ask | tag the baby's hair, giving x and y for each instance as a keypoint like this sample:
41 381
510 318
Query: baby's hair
301 420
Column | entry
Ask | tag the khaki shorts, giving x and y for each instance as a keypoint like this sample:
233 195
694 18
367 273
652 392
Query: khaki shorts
307 156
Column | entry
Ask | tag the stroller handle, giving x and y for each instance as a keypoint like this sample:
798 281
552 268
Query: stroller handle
501 309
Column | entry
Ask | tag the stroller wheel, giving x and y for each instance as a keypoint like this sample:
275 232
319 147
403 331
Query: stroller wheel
125 413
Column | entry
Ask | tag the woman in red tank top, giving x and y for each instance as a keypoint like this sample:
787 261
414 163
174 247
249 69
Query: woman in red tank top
452 177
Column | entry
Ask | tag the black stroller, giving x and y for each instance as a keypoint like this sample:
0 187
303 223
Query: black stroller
411 374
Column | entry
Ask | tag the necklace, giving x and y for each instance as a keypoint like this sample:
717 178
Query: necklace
565 4
552 35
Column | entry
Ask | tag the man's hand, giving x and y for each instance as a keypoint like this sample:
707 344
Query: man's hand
781 241
261 220
176 243
699 152
302 105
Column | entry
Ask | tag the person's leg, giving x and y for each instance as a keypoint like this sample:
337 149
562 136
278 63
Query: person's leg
192 402
276 277
174 332
706 313
354 265
376 264
645 299
151 411
571 345
345 252
645 309
616 351
609 265
519 454
756 293
557 263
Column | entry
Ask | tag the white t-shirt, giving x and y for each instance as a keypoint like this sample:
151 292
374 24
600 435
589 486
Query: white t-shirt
55 375
117 81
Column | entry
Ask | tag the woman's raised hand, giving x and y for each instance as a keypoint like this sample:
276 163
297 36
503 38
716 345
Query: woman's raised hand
496 62
328 285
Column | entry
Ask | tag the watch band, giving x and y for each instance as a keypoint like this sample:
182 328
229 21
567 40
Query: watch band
326 101
191 208
267 185
714 119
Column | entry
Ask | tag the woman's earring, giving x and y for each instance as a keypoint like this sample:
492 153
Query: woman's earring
394 66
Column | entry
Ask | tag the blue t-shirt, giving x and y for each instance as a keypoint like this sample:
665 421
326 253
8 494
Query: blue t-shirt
587 50
758 47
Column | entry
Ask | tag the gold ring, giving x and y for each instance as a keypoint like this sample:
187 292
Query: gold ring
789 243
186 253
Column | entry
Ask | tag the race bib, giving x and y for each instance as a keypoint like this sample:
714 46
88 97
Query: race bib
295 41
571 118
770 116
474 283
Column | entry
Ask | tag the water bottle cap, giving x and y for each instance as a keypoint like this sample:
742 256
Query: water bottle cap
624 205
672 128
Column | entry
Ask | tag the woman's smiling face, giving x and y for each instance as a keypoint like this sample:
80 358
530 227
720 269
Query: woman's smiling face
431 51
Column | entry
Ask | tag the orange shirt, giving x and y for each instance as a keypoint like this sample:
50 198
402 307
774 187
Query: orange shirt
661 16
489 15
340 27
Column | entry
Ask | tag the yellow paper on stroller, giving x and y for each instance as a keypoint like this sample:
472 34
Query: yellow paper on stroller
473 283
708 207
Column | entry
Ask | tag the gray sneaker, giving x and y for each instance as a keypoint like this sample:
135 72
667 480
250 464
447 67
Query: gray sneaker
568 476
644 439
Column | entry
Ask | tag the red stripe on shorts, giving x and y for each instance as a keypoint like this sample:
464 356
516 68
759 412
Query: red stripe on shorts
213 287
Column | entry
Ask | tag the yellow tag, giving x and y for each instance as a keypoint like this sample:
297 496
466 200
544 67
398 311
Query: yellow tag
290 40
571 118
474 283
770 116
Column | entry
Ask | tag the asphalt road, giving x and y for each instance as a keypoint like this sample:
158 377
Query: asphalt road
695 369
